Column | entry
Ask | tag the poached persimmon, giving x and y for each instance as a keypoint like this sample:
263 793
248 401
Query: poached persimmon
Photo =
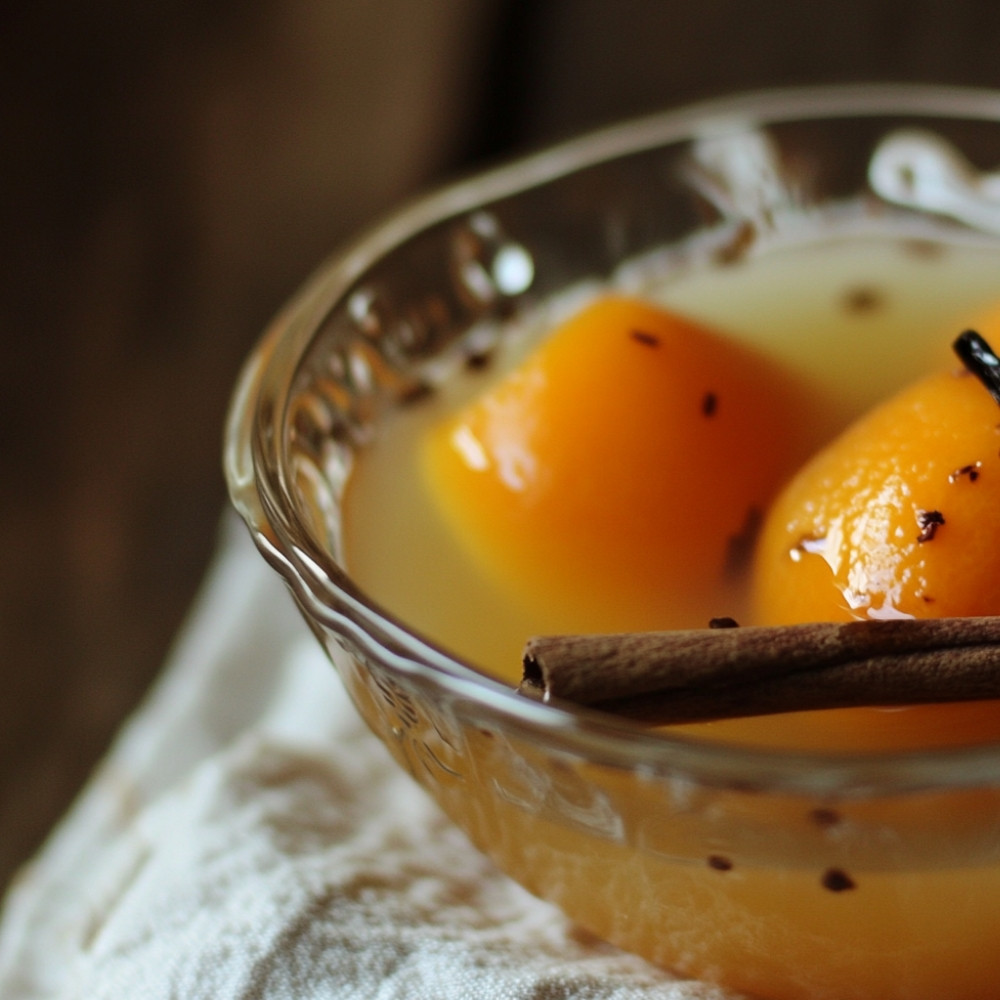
619 473
898 517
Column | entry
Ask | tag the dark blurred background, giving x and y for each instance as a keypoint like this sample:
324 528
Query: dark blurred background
172 170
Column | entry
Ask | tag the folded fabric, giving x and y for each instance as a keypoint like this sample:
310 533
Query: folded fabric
247 839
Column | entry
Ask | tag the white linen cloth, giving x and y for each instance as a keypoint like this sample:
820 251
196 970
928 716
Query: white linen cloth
248 839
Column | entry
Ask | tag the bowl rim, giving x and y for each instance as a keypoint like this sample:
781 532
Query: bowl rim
259 480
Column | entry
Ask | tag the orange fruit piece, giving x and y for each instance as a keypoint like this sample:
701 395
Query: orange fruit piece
898 517
615 477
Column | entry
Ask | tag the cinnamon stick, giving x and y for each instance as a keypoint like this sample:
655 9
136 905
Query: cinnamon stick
701 674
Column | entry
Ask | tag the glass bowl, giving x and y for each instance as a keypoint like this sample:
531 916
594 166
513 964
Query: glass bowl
780 873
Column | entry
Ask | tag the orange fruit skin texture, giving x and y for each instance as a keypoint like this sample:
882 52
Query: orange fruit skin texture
852 536
608 480
899 517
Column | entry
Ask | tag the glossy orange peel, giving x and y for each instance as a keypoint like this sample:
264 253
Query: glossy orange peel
899 517
617 475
